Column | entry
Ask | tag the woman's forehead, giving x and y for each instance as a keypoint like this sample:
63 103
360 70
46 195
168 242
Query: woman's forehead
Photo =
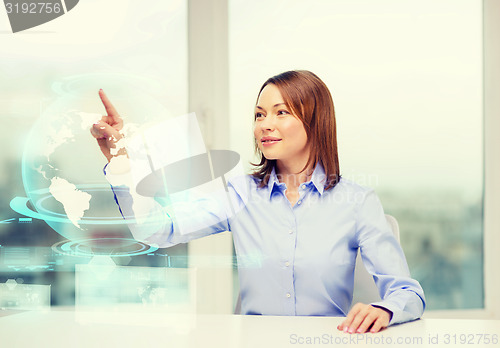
270 97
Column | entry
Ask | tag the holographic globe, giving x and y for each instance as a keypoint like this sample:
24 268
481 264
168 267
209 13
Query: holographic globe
62 166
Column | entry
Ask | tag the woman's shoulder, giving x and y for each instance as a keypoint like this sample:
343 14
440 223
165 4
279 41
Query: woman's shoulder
348 184
243 181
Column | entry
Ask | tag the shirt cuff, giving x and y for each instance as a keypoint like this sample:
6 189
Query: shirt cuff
390 308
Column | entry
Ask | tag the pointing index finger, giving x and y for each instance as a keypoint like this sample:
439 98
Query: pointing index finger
110 109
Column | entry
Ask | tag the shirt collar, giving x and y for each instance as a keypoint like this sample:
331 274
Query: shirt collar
273 182
318 180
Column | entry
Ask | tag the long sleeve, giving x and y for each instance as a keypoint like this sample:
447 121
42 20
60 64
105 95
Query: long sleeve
385 261
154 222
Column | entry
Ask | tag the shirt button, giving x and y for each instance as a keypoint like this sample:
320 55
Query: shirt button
287 264
288 295
304 187
299 202
290 231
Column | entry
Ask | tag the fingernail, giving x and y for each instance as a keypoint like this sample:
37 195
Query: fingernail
372 331
359 331
345 329
351 331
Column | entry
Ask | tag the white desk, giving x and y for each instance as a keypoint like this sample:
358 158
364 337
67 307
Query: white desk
58 328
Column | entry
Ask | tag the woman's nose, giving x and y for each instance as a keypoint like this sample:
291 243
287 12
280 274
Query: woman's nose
267 123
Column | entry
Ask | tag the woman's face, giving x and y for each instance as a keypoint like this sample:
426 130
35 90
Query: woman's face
280 135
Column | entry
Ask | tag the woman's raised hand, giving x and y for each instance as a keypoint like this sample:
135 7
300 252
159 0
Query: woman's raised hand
107 130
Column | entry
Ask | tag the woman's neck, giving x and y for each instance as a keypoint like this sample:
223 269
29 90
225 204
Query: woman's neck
292 174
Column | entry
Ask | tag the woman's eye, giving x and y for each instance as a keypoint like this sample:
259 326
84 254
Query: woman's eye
258 115
283 112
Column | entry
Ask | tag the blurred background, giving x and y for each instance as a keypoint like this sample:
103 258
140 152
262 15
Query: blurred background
407 82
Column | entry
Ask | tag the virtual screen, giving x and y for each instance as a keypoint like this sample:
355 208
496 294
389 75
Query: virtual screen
63 239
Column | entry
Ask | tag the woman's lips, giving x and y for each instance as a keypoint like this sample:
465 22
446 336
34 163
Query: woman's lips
269 141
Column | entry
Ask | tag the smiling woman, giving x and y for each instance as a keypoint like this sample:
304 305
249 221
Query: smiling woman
281 138
298 106
295 131
296 256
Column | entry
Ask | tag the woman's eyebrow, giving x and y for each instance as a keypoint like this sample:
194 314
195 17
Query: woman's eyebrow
275 105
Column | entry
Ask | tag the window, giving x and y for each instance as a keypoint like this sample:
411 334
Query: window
406 79
139 55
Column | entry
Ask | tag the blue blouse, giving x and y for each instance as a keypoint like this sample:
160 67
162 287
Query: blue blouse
294 260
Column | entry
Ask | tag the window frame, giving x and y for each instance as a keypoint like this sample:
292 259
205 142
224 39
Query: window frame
213 20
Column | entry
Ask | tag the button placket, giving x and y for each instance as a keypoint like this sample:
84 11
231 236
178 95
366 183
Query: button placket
287 262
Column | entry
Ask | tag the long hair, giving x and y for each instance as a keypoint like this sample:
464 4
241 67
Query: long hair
310 100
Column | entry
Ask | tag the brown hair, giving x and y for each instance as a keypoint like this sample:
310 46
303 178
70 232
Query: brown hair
310 100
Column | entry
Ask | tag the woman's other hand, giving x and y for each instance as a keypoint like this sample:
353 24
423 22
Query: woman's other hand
107 130
362 316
